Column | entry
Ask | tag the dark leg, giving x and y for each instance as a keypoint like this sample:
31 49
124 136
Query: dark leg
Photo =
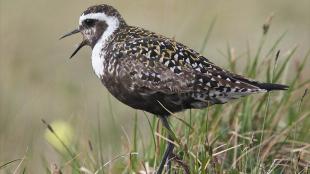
169 147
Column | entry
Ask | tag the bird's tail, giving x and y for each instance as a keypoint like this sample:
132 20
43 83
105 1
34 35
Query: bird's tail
266 86
271 86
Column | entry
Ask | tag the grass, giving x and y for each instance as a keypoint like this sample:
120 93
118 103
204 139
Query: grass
265 133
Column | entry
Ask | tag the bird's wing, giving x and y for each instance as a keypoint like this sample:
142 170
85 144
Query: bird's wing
161 64
144 63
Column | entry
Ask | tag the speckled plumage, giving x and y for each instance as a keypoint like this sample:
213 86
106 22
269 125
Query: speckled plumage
154 73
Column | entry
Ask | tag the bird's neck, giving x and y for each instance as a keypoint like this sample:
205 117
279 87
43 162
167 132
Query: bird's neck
99 50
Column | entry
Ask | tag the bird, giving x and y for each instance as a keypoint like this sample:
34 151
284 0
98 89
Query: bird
150 72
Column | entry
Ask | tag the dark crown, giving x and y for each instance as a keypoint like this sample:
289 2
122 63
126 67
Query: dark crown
106 9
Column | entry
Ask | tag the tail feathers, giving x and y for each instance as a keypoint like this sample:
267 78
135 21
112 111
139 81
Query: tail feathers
272 86
266 86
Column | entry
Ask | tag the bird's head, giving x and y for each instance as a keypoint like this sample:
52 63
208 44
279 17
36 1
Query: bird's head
97 23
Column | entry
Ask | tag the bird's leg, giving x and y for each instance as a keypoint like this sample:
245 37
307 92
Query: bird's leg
169 147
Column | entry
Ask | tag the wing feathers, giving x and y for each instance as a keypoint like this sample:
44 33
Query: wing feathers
163 65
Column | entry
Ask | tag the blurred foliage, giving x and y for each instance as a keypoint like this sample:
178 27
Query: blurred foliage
37 80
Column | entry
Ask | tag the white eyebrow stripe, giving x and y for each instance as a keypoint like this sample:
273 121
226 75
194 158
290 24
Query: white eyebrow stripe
112 22
98 16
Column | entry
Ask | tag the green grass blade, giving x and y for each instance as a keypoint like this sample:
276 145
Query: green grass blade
205 41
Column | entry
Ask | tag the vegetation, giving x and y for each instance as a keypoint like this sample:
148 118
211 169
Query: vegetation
263 133
266 133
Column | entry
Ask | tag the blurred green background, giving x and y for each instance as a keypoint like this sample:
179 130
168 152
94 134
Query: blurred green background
37 80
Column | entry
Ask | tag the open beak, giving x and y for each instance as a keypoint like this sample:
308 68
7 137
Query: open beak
81 45
70 33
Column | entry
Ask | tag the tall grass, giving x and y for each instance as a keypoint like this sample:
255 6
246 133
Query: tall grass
265 133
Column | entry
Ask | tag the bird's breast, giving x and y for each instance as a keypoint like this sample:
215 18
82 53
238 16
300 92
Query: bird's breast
98 60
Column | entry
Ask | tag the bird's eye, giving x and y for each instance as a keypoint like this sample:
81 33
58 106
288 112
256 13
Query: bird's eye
89 22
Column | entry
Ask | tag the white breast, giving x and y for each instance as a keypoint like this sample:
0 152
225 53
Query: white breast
97 60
